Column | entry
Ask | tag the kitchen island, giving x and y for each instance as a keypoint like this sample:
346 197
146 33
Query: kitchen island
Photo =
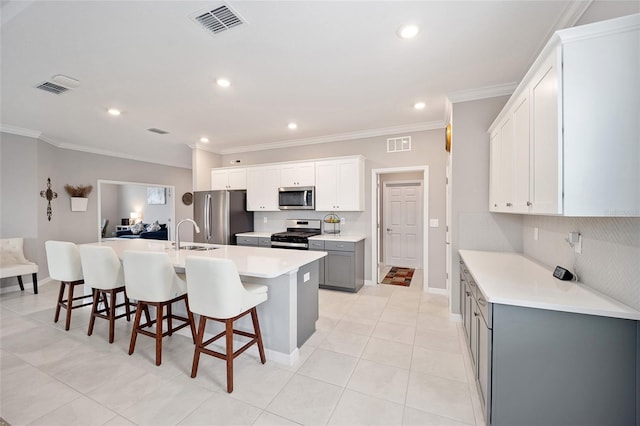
290 275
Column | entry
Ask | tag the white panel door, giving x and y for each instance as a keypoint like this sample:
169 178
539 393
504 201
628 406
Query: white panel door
403 224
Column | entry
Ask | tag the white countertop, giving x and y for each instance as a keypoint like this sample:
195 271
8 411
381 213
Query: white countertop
353 238
512 279
250 261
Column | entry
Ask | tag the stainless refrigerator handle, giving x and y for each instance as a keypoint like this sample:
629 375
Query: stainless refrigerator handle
207 218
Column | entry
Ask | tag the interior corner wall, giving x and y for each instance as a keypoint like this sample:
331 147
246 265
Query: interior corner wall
473 226
30 162
203 161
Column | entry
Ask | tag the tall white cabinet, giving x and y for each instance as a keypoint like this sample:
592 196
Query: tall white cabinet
567 142
340 184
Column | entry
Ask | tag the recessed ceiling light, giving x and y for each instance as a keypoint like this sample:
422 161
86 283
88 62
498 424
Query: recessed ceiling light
419 105
204 140
408 31
114 111
292 126
223 82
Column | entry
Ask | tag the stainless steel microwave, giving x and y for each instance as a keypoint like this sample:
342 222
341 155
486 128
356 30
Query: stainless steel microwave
297 198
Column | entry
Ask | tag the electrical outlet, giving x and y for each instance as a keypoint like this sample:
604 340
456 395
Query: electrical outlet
265 219
575 241
342 221
535 234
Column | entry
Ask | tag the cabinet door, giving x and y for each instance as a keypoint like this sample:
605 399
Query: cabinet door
238 179
483 358
262 188
506 166
495 175
521 155
326 185
248 241
340 185
298 174
340 269
546 173
219 179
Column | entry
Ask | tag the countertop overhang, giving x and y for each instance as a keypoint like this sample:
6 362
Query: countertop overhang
513 279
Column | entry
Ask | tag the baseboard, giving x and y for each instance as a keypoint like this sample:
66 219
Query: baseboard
369 282
442 291
455 317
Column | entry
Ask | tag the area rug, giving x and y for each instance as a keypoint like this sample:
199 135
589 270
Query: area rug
399 276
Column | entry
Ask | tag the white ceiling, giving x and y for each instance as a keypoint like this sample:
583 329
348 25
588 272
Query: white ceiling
335 68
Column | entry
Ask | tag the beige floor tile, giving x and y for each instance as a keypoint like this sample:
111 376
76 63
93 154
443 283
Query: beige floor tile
257 384
363 312
307 401
438 363
431 322
415 417
379 380
437 395
446 341
355 408
119 421
121 392
221 409
376 302
394 354
364 327
397 315
82 411
377 290
394 332
268 419
345 343
329 366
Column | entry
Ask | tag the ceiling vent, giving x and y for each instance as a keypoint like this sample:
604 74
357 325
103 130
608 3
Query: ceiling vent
50 87
218 20
399 144
158 131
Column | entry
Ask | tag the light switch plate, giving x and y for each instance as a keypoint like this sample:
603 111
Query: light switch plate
433 223
306 277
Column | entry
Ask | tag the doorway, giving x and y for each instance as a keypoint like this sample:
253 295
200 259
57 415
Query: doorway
411 174
401 237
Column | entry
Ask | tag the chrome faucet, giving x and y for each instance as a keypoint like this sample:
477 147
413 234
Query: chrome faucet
195 225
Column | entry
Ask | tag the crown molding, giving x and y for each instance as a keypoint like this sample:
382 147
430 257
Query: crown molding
482 93
20 131
361 134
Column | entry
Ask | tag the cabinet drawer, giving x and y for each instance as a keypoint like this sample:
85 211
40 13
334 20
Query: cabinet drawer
339 246
485 309
264 242
316 245
248 241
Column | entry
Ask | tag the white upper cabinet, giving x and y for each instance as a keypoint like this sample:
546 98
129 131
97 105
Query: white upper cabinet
262 188
298 174
229 178
568 141
340 184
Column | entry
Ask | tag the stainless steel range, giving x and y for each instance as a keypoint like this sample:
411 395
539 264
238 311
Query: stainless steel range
297 234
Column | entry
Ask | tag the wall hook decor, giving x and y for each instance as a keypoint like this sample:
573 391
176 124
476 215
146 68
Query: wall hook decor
49 194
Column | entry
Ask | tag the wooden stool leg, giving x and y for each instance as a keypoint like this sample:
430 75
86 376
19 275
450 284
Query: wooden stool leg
34 277
136 324
20 283
159 334
94 308
60 294
127 307
256 329
192 323
69 306
169 322
199 338
229 357
112 315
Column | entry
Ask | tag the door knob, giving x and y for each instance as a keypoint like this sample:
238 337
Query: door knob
388 229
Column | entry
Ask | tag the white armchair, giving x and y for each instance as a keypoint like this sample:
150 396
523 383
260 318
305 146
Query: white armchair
14 264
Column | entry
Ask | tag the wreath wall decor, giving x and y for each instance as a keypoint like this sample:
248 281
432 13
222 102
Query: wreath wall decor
49 194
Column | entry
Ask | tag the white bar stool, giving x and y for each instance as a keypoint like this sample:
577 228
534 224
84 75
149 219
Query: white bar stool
150 279
217 294
65 266
104 273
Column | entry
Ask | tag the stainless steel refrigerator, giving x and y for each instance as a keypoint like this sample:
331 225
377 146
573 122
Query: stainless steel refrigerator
220 216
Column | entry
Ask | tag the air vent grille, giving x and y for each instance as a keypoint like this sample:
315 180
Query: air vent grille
47 86
399 144
158 131
219 19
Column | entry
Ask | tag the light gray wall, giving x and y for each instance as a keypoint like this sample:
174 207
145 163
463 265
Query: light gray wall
134 198
110 207
427 149
473 226
73 167
607 9
203 161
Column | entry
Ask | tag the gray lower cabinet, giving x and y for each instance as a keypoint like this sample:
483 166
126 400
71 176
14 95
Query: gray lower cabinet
308 308
540 367
254 241
343 265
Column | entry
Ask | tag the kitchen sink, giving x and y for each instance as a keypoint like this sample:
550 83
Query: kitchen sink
198 248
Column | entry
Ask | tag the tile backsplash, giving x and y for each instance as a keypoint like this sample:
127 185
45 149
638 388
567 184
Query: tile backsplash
610 259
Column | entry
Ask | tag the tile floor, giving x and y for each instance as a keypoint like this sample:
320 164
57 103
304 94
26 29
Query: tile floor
388 355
